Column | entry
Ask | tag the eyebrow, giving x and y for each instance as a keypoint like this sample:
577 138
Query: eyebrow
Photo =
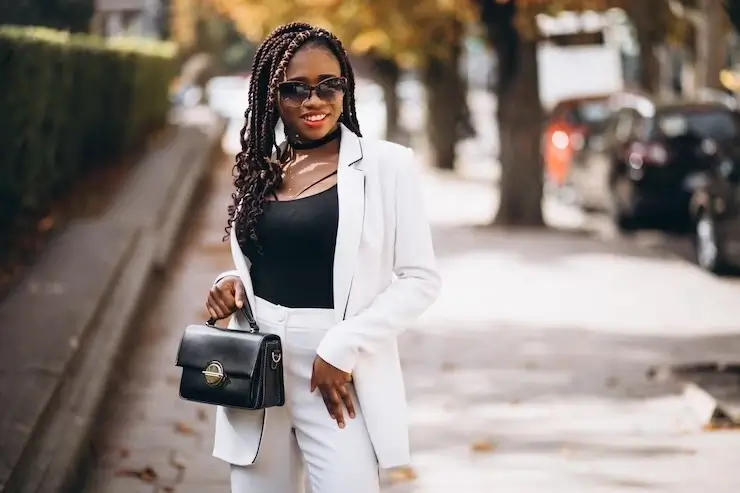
322 77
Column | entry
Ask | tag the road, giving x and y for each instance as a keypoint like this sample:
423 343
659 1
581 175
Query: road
530 373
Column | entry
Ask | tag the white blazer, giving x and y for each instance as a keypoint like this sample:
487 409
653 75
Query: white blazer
385 276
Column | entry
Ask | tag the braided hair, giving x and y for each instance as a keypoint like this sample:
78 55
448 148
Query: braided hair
258 169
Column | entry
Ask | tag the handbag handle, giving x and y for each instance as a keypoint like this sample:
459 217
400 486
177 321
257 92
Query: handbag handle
247 312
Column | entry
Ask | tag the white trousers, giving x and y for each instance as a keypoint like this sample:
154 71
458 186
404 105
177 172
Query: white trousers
300 441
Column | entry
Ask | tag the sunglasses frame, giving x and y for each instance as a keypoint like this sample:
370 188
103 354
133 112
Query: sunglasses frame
311 89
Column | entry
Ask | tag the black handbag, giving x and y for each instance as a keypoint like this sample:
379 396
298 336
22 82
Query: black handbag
232 368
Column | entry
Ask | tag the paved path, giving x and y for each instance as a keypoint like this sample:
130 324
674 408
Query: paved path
529 374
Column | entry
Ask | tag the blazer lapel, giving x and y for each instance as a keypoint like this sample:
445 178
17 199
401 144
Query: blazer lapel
242 264
351 192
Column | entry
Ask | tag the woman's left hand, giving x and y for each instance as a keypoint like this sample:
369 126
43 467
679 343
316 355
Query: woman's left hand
333 384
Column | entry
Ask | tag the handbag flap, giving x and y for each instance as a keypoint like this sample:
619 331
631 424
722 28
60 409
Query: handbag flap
237 351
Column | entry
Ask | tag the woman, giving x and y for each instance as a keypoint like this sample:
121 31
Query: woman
333 252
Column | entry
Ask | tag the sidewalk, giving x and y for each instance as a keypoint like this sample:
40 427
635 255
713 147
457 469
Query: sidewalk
65 320
531 373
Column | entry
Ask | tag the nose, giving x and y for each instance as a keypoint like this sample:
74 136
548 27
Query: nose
313 100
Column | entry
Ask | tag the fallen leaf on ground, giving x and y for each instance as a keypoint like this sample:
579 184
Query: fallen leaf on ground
401 475
482 446
147 475
202 414
721 426
184 429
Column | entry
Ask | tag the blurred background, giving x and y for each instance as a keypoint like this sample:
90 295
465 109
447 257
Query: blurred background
581 173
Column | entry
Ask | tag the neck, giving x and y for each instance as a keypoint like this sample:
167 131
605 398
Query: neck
301 145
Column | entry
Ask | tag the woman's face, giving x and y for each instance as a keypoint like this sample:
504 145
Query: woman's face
312 117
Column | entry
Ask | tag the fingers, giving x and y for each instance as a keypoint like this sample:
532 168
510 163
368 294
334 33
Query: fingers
333 384
327 401
336 404
336 399
240 294
225 297
217 306
346 396
314 383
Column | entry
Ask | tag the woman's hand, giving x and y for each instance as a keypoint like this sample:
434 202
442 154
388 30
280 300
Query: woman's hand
333 384
226 297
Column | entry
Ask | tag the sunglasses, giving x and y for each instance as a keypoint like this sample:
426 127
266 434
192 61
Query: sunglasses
294 93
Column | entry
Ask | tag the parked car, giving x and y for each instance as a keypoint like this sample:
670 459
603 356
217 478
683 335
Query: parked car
588 175
566 129
641 168
715 206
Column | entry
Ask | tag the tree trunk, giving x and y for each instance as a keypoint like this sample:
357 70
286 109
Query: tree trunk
445 92
387 74
644 14
465 125
520 118
711 45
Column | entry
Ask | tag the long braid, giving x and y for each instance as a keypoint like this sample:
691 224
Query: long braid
256 172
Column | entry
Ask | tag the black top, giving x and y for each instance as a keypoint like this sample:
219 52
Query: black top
297 238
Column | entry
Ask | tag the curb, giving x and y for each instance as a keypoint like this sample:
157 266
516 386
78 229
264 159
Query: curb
183 195
51 423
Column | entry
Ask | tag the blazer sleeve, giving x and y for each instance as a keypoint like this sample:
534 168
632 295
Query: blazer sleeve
226 274
415 288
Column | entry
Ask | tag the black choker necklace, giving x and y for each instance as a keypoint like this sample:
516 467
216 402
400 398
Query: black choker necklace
313 144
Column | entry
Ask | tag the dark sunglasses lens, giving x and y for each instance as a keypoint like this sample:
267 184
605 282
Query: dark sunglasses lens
330 89
293 93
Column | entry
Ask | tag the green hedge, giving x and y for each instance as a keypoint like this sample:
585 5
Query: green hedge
69 102
69 15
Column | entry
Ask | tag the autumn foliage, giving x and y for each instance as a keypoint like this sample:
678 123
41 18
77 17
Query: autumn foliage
399 29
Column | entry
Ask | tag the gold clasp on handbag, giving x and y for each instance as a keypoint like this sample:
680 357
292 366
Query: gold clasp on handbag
214 374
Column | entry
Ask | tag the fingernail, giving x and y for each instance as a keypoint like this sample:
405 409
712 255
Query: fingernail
341 425
352 415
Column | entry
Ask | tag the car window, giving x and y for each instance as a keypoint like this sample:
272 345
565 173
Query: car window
710 123
591 112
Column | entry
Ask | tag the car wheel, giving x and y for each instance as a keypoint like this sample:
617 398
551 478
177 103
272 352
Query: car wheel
707 245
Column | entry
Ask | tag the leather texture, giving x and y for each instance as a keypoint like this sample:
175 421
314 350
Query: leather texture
250 361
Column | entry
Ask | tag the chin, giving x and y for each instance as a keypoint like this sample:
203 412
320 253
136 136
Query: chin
309 133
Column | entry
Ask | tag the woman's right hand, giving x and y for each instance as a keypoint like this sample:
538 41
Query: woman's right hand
226 297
